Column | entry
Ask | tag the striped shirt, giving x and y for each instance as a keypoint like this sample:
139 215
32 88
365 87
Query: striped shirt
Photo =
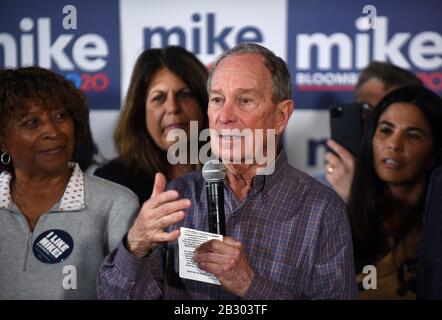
294 230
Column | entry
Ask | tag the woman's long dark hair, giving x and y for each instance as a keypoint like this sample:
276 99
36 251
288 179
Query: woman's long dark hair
136 148
367 195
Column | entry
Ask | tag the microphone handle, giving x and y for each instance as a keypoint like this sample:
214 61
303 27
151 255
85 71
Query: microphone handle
215 207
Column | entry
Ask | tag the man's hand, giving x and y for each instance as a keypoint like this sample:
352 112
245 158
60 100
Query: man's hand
227 261
160 211
340 169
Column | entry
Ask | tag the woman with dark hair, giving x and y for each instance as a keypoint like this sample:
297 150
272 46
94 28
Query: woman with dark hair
56 223
401 146
375 81
167 90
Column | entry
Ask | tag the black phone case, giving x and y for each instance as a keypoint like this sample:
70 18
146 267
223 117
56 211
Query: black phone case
346 125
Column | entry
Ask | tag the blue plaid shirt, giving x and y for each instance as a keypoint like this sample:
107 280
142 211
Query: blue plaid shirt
295 233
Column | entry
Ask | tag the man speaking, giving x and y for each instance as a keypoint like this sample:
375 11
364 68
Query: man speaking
287 236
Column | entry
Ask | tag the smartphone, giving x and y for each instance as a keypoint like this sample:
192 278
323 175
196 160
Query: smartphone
347 125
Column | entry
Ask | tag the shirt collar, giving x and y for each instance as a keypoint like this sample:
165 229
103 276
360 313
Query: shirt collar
262 182
73 197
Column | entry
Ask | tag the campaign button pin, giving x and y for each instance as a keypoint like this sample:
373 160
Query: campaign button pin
53 246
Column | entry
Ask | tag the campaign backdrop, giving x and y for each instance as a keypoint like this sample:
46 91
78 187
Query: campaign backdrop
325 43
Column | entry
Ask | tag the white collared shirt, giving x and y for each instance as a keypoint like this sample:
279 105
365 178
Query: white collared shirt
73 197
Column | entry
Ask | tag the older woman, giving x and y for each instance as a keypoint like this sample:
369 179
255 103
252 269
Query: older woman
167 91
56 223
402 144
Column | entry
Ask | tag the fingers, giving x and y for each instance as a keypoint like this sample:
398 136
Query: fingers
232 242
161 198
159 184
218 246
168 236
214 268
342 152
340 169
146 234
218 252
169 219
215 258
167 209
161 211
154 221
333 160
211 246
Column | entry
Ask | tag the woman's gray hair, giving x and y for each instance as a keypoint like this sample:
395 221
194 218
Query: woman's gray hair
282 87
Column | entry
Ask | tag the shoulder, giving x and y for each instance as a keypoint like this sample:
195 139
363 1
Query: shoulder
311 186
104 190
113 168
308 192
115 171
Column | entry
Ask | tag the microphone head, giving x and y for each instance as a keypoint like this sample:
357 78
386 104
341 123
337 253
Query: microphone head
214 171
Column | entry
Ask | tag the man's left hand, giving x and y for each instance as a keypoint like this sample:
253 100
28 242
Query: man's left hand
228 262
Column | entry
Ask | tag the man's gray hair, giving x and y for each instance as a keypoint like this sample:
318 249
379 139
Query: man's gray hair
282 87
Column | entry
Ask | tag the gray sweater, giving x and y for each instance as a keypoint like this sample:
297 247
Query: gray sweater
60 258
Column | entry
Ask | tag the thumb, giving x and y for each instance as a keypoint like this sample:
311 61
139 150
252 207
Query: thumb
159 185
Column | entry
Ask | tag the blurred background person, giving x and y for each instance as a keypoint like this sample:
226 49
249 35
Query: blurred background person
430 255
401 146
167 90
52 215
375 81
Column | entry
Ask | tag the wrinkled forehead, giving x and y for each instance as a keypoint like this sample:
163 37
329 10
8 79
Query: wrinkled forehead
244 70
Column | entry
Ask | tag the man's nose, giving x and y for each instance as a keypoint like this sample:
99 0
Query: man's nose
228 113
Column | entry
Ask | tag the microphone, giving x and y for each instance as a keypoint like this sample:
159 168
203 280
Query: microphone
214 173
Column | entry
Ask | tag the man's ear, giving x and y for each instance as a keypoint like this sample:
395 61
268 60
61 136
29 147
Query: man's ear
284 110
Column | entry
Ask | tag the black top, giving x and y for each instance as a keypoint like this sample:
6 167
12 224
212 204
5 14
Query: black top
140 184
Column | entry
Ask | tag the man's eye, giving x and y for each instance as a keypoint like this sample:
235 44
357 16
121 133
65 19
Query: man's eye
245 100
216 100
